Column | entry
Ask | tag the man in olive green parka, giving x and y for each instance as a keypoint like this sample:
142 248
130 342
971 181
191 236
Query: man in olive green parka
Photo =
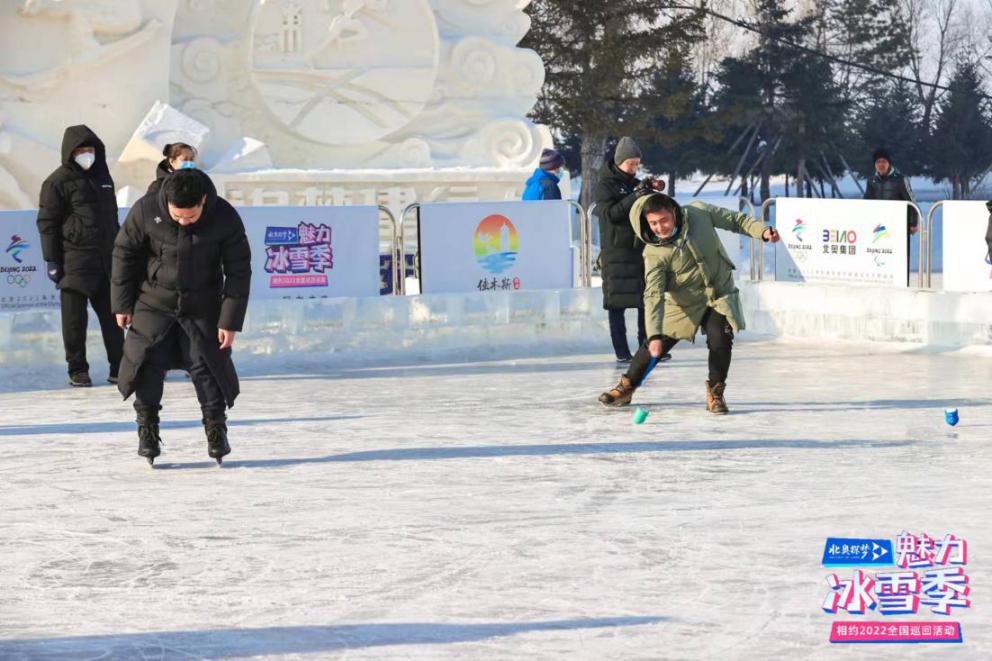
689 283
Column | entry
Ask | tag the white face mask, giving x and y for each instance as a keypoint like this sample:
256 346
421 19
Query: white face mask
86 160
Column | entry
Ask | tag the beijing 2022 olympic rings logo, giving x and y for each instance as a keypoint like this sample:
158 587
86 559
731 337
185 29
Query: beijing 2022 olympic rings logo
18 279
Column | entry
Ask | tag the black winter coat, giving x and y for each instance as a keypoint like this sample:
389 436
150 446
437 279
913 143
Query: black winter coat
196 276
893 186
77 216
621 254
161 172
988 232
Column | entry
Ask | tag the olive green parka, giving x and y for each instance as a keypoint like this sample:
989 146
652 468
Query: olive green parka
690 271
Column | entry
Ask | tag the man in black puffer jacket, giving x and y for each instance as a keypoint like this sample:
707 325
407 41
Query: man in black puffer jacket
887 183
182 273
77 222
621 254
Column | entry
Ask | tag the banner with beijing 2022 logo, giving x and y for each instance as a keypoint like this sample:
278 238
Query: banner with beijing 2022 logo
841 241
24 283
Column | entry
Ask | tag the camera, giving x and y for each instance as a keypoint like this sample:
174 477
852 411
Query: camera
649 185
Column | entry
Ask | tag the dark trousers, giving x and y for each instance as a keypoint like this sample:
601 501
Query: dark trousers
719 339
618 331
74 321
172 350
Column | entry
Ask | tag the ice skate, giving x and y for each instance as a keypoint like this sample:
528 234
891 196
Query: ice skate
217 445
149 441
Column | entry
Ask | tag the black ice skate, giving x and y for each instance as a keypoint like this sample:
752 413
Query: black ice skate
149 442
217 445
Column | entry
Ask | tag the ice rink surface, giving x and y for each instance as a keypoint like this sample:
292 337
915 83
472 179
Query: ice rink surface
490 510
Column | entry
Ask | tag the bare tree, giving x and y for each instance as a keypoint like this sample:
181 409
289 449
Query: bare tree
934 38
979 22
722 39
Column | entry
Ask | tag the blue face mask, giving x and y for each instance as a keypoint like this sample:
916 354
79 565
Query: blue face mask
675 233
187 165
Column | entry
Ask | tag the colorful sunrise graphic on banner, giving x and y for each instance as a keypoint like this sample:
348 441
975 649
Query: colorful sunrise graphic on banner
496 243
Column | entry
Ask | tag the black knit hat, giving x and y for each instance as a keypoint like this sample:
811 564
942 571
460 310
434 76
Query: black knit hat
881 153
551 159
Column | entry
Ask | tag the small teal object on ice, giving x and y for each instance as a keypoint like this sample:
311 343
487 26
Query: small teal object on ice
640 415
951 416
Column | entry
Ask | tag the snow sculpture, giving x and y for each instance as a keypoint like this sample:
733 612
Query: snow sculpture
300 101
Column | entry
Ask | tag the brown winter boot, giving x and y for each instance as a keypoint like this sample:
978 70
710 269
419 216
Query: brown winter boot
621 393
715 403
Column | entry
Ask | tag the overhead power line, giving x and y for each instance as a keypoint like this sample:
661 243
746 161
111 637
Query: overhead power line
812 51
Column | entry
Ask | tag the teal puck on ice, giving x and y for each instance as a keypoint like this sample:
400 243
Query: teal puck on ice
640 415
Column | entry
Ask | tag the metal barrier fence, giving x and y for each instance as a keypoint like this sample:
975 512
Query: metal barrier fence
928 233
397 265
924 238
400 241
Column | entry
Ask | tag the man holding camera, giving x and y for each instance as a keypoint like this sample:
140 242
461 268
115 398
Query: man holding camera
621 254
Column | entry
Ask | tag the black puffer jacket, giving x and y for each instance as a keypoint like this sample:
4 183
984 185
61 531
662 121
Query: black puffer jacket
620 254
161 172
196 276
77 215
893 186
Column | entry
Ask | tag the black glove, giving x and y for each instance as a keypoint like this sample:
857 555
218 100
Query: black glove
55 272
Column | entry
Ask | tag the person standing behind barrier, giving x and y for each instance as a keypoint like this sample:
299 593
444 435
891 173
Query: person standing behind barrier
887 183
543 184
178 156
988 231
77 223
621 254
181 279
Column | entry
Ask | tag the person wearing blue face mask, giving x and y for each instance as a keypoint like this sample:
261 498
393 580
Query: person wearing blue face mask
543 184
77 224
178 156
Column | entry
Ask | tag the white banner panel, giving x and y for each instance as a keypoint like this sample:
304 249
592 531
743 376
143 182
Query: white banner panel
313 252
495 246
24 283
966 262
841 241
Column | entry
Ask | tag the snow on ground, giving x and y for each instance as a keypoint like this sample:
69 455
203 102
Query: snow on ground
489 510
